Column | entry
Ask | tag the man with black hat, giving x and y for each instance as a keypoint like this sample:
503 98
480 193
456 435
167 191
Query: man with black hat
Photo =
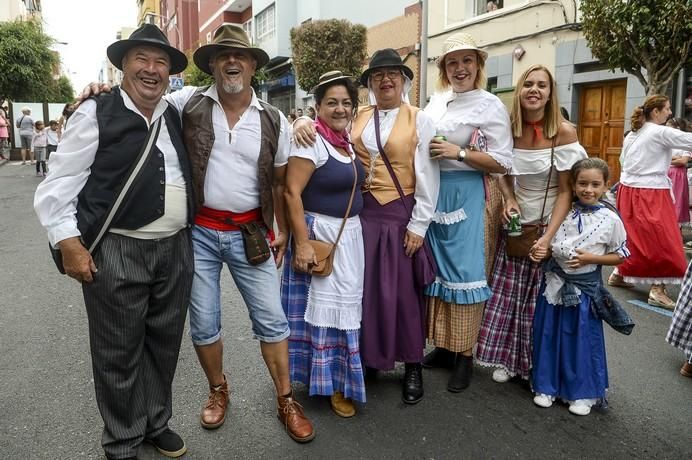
117 203
238 147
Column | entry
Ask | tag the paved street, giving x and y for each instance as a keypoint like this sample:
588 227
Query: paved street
47 407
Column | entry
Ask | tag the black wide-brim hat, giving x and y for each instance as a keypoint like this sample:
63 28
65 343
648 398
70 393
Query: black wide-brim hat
146 35
385 58
228 36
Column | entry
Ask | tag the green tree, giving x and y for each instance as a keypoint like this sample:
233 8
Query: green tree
631 35
27 62
321 46
60 90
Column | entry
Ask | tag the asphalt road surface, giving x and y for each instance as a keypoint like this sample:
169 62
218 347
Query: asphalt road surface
48 411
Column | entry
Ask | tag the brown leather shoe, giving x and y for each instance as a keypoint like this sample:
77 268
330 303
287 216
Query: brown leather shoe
686 369
618 281
291 415
343 407
214 412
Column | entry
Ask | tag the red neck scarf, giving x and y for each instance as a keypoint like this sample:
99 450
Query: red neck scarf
536 125
339 140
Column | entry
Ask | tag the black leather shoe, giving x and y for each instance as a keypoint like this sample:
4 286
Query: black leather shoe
461 374
412 388
169 443
439 358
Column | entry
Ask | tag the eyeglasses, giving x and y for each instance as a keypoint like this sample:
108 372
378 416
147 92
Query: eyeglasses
391 74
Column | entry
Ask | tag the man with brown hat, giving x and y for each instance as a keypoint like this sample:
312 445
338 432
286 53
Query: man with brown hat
238 147
134 265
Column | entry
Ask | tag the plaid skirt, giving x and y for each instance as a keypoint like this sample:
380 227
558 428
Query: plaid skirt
680 331
325 359
455 327
505 336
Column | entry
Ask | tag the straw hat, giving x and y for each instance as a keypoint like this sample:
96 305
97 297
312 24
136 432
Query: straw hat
461 41
228 36
329 77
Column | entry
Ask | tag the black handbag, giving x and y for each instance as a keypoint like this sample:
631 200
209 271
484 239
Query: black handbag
424 266
149 142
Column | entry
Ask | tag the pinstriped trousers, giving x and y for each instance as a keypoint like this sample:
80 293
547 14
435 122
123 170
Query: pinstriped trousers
136 308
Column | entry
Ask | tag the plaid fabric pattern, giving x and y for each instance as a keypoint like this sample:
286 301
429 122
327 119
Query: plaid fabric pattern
324 359
493 221
505 336
680 331
453 327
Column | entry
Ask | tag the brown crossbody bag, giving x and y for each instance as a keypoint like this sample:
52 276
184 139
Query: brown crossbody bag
520 245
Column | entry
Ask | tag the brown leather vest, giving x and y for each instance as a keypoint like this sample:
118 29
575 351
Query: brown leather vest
198 132
400 149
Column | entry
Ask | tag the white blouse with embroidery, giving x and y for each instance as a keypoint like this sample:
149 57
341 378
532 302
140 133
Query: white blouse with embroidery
597 232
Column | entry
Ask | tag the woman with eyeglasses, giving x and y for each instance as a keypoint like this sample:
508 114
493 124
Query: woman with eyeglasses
395 217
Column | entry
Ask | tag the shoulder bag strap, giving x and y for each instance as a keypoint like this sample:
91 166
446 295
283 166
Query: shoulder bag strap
149 142
350 200
386 160
550 173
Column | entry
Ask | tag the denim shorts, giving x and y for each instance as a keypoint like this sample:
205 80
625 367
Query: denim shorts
258 285
26 140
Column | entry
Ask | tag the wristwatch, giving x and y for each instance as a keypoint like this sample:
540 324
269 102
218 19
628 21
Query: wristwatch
462 154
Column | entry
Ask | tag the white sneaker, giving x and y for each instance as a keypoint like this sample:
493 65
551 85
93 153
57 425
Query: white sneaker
580 407
542 400
501 375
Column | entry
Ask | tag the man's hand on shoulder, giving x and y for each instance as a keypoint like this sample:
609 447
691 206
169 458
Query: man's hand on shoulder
77 260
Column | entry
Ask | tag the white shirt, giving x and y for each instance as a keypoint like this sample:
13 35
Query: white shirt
426 170
597 232
646 155
456 115
52 136
530 168
55 201
319 153
231 182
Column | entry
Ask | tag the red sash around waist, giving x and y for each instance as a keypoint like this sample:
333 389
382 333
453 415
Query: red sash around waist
221 220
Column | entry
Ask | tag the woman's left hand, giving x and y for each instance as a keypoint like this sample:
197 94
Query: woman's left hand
412 243
440 149
539 250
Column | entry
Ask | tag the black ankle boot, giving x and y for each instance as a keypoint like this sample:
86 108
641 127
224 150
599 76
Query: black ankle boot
461 374
412 388
439 358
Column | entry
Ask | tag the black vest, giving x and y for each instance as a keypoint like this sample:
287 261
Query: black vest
121 138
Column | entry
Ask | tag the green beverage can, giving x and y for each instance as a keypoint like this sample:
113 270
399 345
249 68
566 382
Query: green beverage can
439 137
514 227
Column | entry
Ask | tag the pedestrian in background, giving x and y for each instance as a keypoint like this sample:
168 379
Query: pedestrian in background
39 143
53 137
311 112
136 281
25 124
466 222
677 172
645 203
324 312
569 353
4 135
539 190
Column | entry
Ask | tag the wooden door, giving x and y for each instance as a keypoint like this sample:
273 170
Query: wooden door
602 122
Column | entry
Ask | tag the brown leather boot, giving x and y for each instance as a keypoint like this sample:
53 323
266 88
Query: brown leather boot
686 369
291 415
214 412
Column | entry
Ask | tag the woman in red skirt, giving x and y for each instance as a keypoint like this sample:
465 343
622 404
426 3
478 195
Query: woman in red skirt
645 203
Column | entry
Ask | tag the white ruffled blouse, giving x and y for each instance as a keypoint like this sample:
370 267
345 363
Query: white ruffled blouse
598 232
530 168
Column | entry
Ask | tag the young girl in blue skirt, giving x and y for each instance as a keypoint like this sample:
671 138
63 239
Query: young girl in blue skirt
569 358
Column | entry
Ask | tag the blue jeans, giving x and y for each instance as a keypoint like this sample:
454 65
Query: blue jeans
259 286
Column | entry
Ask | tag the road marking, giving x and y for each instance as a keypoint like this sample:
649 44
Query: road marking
658 310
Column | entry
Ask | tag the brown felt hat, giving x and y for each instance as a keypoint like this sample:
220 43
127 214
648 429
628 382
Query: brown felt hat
225 37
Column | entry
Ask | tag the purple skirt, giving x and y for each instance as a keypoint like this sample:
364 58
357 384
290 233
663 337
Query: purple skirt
393 325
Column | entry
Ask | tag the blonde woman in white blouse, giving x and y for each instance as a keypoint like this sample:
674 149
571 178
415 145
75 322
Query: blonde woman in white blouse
537 125
645 203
